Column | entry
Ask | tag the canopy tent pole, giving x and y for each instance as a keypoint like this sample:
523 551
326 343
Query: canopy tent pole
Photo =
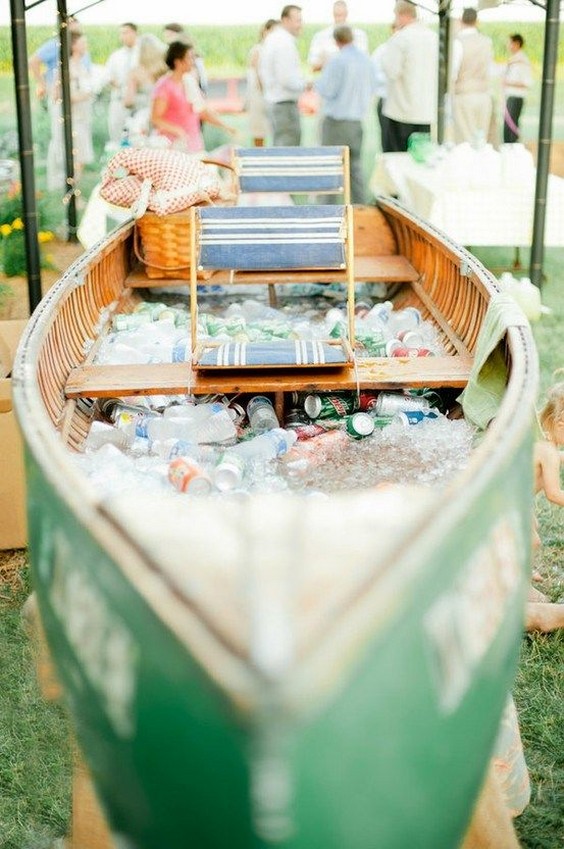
25 141
444 54
545 138
70 197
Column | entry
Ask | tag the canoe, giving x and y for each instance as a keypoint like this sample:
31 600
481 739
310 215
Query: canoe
274 671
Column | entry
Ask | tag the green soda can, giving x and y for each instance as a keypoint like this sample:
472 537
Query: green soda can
130 321
374 343
330 406
359 425
381 421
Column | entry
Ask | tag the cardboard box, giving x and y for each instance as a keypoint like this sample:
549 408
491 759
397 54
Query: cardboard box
13 522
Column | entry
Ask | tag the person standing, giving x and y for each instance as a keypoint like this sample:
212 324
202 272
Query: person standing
176 32
117 69
517 80
347 85
281 75
81 98
173 114
323 45
259 125
472 62
410 62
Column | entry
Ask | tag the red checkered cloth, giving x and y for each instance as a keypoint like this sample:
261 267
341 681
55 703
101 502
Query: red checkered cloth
162 181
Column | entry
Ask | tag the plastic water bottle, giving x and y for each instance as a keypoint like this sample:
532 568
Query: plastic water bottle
103 433
261 414
219 427
266 446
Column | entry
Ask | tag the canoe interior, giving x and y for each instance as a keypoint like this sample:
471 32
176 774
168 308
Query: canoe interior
381 734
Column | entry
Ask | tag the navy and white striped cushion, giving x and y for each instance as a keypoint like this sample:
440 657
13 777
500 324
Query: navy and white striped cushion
277 353
272 238
290 169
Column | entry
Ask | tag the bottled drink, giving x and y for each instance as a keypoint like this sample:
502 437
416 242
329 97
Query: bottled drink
407 319
261 414
103 433
110 408
229 472
267 446
209 423
219 427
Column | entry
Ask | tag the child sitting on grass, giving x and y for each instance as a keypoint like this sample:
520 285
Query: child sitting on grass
547 459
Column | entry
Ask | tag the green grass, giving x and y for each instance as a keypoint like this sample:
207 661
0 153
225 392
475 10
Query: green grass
34 752
35 761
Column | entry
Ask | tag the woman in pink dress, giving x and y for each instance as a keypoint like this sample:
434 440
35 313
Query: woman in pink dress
173 114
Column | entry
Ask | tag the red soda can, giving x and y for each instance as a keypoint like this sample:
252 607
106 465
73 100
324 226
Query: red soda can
367 400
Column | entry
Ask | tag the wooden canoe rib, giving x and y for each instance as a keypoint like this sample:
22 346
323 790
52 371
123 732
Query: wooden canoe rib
390 694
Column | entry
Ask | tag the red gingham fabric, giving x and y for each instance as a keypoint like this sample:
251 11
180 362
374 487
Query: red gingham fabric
178 180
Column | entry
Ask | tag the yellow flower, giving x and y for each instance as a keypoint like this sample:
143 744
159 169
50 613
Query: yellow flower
17 224
5 229
45 236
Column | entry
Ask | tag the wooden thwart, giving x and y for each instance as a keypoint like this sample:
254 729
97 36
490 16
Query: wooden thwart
367 269
177 378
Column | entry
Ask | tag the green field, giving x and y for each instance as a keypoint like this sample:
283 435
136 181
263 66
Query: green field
228 54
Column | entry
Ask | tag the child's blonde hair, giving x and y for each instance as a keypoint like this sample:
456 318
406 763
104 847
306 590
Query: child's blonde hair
552 413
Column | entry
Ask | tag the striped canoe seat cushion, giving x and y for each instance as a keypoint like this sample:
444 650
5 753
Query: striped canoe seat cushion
290 169
267 354
269 238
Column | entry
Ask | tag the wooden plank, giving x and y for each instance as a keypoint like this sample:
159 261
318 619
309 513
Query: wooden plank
177 378
372 269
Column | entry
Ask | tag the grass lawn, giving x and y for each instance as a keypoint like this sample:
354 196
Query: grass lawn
34 752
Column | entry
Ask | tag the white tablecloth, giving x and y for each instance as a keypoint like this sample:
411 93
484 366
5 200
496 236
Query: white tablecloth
499 213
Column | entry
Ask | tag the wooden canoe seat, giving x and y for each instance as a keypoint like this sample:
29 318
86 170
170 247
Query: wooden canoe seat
91 381
376 260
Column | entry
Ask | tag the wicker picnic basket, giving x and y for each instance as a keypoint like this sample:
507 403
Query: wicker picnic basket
162 244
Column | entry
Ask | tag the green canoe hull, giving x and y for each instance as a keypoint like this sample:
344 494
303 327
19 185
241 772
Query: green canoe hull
390 758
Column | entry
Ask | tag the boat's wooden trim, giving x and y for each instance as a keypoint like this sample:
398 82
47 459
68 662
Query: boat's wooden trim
373 269
92 381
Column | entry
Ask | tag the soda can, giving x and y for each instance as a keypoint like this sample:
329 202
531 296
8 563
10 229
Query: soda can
373 343
410 338
130 321
392 346
367 400
229 472
424 352
330 406
308 431
414 417
188 476
390 403
359 425
296 417
402 351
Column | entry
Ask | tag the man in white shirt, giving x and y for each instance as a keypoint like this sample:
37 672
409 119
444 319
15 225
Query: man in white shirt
517 80
281 76
410 62
116 73
323 44
472 63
